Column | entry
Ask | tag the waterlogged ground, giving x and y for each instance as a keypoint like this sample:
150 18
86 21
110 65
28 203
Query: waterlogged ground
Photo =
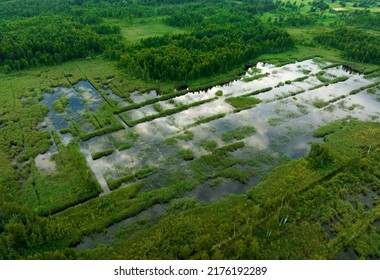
283 121
292 101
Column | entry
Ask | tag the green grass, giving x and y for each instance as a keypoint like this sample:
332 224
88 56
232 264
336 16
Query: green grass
60 104
338 79
238 133
256 77
104 130
327 80
165 113
319 103
302 109
219 93
149 101
157 107
243 102
70 184
235 174
155 27
116 183
129 177
202 120
145 172
181 204
300 79
355 91
186 154
216 182
208 145
349 7
124 139
187 135
68 227
98 155
273 121
257 91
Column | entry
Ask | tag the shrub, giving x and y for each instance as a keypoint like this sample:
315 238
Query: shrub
187 135
101 154
209 145
186 154
258 91
238 133
116 183
145 172
243 102
157 107
256 77
319 156
181 204
300 79
208 119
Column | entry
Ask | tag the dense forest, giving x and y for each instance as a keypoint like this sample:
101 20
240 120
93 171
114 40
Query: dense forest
205 52
362 18
355 44
52 32
115 51
49 41
30 41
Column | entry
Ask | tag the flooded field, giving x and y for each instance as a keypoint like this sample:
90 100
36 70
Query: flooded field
159 141
292 101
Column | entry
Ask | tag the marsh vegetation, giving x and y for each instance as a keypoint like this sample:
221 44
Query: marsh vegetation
237 127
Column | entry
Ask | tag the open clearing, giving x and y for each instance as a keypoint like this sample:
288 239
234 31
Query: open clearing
138 31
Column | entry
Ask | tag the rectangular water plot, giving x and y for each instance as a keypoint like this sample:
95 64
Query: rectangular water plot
275 112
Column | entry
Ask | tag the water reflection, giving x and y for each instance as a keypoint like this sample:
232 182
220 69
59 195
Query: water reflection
207 193
297 104
81 98
284 124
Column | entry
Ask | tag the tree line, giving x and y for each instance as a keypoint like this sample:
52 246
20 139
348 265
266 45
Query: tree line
51 40
356 44
219 44
362 18
52 32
